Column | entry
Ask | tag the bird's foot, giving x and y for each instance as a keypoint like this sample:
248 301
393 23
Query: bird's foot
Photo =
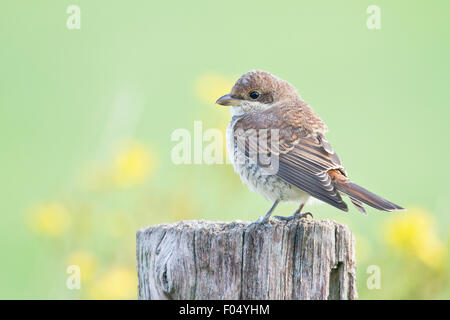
260 221
294 216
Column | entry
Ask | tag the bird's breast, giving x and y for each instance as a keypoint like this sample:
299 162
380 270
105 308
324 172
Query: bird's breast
258 180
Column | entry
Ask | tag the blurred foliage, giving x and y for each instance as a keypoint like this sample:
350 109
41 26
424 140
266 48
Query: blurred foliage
415 234
86 118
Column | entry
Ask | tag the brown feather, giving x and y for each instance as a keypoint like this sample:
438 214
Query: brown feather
359 194
304 157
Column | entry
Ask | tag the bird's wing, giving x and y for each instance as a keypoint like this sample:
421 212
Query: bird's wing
304 156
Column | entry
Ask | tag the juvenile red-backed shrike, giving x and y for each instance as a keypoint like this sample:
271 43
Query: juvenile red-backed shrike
306 165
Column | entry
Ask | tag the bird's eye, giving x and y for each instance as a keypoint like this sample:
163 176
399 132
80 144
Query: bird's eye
254 95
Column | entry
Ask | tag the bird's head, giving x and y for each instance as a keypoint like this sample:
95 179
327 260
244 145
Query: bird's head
257 91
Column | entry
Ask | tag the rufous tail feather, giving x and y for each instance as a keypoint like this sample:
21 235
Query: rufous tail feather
359 195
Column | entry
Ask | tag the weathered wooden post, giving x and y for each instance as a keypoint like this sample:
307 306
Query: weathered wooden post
301 259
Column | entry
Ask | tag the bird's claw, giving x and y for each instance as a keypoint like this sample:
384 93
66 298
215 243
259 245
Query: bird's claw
305 215
260 221
294 216
283 218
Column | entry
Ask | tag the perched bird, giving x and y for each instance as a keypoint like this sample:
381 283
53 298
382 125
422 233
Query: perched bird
264 106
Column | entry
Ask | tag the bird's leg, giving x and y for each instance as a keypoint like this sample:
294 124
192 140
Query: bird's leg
264 219
297 214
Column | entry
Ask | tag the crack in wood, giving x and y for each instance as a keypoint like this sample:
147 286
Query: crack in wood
302 259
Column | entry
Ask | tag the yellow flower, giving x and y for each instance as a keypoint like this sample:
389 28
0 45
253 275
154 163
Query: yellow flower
85 261
210 86
117 283
414 233
133 164
51 219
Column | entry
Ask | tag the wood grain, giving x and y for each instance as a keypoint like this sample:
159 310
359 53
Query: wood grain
302 259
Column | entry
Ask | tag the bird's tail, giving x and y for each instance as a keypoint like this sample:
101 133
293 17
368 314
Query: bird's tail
359 195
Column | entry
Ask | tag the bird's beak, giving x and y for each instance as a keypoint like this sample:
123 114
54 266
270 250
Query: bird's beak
228 100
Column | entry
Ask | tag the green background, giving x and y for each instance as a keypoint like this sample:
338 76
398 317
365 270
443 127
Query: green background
384 94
